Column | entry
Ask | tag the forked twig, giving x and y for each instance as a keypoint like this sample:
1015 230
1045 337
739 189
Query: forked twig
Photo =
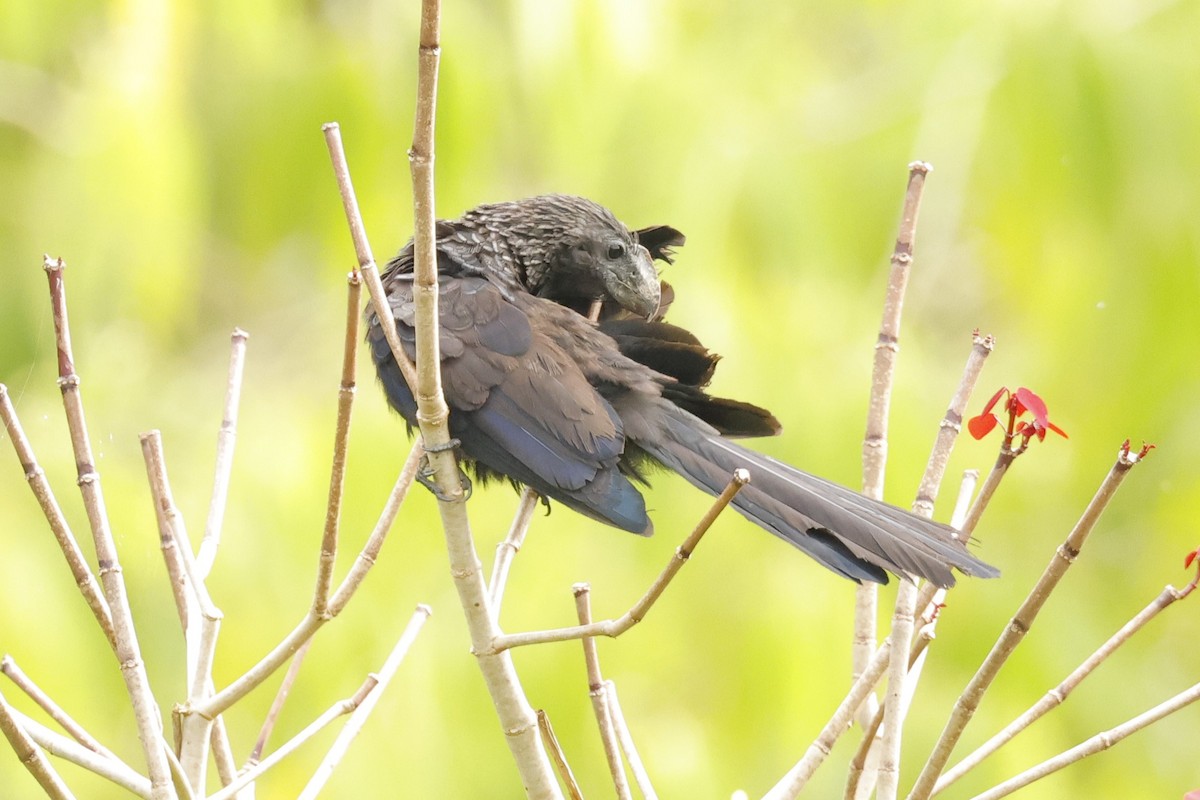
1014 632
1098 743
1058 695
311 622
640 776
615 627
26 684
358 717
596 691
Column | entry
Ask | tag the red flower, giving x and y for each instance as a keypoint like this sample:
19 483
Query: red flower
1017 404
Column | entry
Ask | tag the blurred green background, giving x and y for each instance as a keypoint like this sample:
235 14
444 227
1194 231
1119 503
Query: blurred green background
172 154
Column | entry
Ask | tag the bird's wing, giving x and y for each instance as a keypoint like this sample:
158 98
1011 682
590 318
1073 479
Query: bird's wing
519 403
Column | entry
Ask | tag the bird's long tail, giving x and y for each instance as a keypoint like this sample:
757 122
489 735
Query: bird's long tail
846 531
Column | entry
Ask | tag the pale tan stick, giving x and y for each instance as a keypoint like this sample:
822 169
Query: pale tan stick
875 440
1098 743
309 625
900 690
223 753
640 776
637 613
791 784
1058 695
358 717
111 769
196 730
1014 632
128 652
35 476
30 756
608 735
281 695
226 439
341 708
337 477
507 550
930 599
951 424
53 709
557 755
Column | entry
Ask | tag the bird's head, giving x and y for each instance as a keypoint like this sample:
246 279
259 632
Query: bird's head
587 254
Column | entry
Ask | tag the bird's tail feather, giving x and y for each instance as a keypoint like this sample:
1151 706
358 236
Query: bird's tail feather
846 531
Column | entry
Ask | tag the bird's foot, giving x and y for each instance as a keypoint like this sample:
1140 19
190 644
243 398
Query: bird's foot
425 472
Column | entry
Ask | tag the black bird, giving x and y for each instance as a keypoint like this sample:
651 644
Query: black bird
579 410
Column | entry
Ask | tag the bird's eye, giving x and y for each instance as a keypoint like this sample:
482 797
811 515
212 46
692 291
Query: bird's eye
616 250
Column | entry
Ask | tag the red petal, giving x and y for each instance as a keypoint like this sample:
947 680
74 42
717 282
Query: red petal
1187 562
982 425
1057 429
992 403
1035 404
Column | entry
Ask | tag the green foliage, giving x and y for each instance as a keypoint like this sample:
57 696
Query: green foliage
171 153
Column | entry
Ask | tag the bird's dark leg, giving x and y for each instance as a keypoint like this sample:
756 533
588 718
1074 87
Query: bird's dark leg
424 474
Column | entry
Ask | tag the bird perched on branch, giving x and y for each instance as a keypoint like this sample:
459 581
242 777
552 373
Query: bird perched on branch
581 410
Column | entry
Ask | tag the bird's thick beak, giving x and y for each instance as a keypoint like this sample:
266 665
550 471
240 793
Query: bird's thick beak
635 284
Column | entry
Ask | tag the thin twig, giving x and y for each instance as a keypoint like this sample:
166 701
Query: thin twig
637 613
507 550
281 695
201 638
929 598
981 348
53 709
226 439
558 756
640 776
359 716
35 476
337 477
309 625
1058 695
128 652
341 708
30 756
608 736
111 769
1098 743
1014 632
875 439
791 784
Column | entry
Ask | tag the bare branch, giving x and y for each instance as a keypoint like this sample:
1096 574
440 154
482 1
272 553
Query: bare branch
639 610
791 784
359 717
1014 632
226 438
30 756
640 776
281 695
128 652
1058 695
557 755
875 440
53 709
36 478
337 478
507 550
596 691
1098 743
